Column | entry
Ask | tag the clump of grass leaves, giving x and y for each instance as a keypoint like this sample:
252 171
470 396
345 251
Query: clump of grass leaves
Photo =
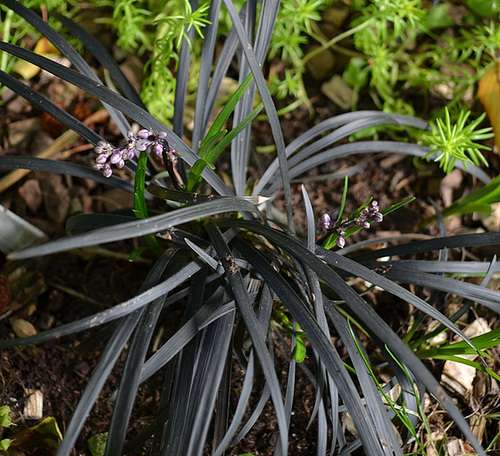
239 264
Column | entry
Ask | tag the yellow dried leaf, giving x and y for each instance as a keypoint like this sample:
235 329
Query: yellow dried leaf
489 94
27 70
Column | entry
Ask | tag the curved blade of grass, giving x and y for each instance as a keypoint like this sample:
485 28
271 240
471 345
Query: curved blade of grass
109 357
104 58
210 154
363 147
428 245
43 103
468 268
372 320
173 259
358 118
258 338
65 48
268 105
139 228
215 152
60 167
371 394
194 178
227 110
485 296
108 315
322 344
120 103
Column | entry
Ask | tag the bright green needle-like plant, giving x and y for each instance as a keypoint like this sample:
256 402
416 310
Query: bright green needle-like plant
457 141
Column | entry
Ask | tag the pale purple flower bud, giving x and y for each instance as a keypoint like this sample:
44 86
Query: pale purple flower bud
161 135
129 155
340 242
326 220
142 145
116 157
365 224
120 164
172 155
101 158
157 148
377 217
107 171
144 133
130 135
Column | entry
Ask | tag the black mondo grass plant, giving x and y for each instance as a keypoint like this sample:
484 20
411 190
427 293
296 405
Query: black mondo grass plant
244 269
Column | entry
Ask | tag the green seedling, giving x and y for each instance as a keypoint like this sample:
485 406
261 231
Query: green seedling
217 138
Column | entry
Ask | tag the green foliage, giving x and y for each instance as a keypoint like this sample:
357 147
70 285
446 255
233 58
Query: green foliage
5 422
479 200
456 351
97 444
281 318
457 141
217 139
404 51
140 208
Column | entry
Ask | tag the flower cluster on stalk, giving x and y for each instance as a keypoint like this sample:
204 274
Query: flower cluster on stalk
369 214
145 140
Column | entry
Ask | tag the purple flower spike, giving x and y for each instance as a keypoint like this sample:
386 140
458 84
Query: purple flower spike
340 242
326 220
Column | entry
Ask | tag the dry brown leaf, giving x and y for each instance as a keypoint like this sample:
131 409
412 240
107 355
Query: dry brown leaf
489 94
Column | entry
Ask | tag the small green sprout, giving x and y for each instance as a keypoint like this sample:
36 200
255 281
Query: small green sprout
458 141
5 422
